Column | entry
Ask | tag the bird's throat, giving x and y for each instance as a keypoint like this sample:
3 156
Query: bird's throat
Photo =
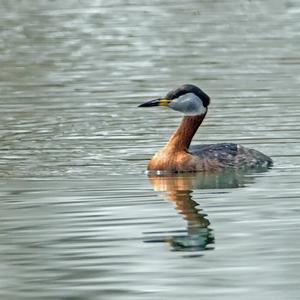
182 137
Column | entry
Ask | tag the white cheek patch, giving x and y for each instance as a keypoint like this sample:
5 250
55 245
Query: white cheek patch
189 104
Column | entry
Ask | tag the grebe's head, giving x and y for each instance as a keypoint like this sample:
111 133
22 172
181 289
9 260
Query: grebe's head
188 99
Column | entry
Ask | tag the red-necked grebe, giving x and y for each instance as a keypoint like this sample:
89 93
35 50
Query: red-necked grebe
178 156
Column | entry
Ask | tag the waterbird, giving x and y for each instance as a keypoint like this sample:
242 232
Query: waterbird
179 156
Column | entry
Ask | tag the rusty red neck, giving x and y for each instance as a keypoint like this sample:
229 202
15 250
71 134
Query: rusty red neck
182 138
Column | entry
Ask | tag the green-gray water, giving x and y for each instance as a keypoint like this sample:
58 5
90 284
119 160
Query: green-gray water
79 218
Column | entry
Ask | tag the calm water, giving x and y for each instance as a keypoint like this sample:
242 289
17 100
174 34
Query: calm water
80 219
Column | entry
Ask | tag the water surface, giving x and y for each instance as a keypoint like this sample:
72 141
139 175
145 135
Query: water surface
80 219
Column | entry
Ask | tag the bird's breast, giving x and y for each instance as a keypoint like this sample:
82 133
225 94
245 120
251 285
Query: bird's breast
182 161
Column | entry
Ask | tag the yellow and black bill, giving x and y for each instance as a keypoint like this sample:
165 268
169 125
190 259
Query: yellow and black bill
156 102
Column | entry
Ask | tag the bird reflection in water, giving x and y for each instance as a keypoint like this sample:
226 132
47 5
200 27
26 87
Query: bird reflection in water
179 188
